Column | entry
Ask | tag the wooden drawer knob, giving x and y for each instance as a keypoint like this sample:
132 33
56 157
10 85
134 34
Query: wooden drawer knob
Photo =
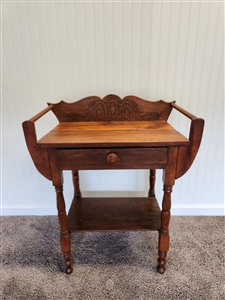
112 158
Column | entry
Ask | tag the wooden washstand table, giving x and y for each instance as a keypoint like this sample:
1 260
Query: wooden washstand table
108 134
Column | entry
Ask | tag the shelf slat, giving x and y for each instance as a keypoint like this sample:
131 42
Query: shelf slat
114 214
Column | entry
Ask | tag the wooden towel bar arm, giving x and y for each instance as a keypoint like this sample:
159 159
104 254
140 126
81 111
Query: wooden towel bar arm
187 155
41 113
39 156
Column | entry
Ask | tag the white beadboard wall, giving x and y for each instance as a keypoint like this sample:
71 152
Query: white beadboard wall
57 50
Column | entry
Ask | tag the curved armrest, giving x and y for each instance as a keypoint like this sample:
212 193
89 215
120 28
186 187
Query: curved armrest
39 156
186 155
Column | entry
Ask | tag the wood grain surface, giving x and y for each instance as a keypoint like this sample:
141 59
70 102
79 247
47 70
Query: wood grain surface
114 214
116 134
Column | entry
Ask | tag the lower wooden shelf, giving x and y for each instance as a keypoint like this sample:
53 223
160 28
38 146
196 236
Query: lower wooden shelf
114 214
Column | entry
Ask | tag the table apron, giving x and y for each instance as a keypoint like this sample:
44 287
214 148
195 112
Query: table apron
96 159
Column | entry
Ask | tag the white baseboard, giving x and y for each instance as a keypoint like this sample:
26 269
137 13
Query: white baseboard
198 210
177 210
22 210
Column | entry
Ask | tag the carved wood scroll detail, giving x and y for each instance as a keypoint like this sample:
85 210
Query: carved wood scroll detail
111 108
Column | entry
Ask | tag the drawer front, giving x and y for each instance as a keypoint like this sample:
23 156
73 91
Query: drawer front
109 159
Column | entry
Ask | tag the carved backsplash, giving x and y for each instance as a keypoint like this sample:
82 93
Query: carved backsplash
112 108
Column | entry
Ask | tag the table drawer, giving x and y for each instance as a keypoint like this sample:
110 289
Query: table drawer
111 158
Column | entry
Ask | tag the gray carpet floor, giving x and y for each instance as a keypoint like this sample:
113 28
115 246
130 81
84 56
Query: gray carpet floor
119 265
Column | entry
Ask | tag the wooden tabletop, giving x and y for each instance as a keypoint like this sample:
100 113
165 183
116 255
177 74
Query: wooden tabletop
112 134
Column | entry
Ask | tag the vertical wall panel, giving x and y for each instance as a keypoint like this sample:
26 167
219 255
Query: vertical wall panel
127 50
117 19
145 51
70 50
98 46
154 44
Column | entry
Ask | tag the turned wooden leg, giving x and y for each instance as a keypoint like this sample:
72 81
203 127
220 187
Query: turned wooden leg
169 179
65 234
164 238
77 192
151 192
